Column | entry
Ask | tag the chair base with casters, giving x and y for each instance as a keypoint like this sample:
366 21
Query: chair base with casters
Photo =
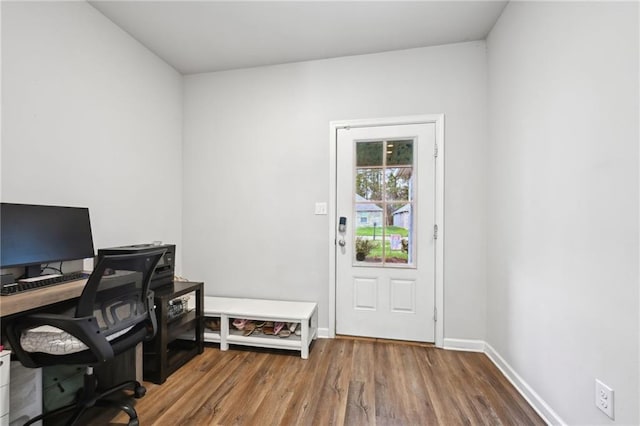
89 397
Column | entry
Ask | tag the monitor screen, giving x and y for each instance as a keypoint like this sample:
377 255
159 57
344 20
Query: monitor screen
33 234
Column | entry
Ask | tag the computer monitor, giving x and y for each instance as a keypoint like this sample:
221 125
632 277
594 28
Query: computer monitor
33 235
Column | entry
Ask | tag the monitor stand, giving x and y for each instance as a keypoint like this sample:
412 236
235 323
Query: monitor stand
32 271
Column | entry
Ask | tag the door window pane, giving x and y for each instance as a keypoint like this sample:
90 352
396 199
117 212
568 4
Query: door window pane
399 153
399 233
398 183
369 184
369 154
368 235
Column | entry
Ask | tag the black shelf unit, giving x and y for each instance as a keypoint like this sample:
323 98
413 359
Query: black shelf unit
178 339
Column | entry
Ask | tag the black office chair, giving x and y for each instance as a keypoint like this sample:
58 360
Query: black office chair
114 313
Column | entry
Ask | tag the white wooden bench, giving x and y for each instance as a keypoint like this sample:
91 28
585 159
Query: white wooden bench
228 308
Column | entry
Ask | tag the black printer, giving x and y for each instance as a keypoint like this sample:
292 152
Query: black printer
166 267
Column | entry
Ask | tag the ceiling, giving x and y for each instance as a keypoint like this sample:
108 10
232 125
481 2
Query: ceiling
204 36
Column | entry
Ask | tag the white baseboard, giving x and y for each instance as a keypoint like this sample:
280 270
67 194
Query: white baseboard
323 333
532 397
464 345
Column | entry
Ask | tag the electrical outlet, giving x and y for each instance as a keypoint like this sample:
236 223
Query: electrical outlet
604 398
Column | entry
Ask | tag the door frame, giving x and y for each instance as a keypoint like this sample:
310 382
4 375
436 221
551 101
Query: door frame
438 120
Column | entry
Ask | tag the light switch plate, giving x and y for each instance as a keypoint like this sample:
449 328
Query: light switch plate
321 208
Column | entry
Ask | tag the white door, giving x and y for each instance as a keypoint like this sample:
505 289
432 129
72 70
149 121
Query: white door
385 255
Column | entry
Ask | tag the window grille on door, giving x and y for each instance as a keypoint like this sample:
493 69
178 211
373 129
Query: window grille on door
384 203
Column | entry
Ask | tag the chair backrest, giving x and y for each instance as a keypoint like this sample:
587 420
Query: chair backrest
114 313
117 292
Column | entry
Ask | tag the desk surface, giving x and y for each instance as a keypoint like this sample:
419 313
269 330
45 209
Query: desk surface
28 300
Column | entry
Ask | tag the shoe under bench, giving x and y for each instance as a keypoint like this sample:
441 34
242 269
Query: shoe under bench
228 308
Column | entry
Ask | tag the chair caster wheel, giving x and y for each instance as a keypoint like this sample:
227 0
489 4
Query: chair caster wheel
139 392
133 422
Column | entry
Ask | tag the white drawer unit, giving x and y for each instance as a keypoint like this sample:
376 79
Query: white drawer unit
26 394
226 309
5 373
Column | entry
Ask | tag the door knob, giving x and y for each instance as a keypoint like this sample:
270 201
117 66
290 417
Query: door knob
341 243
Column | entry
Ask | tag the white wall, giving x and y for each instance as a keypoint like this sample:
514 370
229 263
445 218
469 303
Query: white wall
256 159
563 202
90 118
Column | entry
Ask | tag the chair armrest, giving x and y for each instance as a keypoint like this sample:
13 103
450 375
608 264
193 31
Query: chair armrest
85 329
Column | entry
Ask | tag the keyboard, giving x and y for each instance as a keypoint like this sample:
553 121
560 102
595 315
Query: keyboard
40 282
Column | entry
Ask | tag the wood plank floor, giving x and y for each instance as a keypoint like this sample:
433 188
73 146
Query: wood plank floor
344 382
